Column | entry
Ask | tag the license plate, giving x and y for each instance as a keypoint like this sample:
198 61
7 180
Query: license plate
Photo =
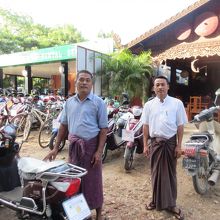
190 163
76 208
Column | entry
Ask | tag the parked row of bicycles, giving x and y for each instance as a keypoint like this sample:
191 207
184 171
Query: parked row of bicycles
29 113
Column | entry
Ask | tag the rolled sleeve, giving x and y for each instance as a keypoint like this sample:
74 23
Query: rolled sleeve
63 117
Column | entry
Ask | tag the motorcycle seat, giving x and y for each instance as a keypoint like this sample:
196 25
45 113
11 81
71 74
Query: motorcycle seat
29 167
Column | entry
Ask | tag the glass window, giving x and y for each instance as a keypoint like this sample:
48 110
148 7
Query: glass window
164 71
182 77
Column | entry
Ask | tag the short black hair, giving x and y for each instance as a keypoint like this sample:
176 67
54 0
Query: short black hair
161 77
84 71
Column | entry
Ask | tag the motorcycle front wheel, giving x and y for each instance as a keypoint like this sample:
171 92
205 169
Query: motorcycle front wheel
104 152
129 158
200 184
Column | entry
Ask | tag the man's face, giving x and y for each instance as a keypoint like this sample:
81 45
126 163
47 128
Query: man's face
84 83
161 88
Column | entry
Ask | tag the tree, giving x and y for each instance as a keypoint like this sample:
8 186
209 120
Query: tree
116 38
20 33
126 72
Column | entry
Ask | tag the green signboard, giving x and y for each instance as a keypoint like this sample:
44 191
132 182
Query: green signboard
52 54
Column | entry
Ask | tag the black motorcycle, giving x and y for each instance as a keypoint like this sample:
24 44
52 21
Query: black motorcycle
202 150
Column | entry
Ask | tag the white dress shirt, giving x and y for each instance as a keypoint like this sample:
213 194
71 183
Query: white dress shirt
164 117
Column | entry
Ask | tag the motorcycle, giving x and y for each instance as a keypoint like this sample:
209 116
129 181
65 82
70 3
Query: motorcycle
117 121
133 135
117 118
202 150
46 190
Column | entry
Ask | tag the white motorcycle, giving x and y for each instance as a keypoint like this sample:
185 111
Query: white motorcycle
46 190
202 150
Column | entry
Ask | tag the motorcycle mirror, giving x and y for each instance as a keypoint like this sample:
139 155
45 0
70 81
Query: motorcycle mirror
125 102
125 95
217 93
217 98
217 101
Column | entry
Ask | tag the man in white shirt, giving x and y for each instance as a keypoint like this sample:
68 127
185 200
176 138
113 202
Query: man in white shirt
163 123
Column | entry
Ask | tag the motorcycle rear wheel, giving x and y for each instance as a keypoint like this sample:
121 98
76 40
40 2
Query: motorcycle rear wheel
27 215
129 158
200 184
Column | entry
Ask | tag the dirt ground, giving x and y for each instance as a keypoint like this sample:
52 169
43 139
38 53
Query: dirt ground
127 193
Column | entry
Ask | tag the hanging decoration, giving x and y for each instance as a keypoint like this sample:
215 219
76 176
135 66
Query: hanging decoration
206 24
183 32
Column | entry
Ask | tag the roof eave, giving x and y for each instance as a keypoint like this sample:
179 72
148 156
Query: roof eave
166 23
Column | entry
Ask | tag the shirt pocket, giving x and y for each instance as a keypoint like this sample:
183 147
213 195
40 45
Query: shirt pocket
170 116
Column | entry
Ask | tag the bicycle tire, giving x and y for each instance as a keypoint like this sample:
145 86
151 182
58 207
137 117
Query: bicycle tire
45 134
20 121
53 140
27 128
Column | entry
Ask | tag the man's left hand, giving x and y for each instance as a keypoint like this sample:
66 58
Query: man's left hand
97 158
178 152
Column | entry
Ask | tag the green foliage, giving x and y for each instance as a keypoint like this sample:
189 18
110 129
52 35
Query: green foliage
20 33
116 38
40 83
6 82
126 72
102 34
20 81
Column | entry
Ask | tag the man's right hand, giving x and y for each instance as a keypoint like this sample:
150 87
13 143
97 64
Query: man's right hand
146 151
52 155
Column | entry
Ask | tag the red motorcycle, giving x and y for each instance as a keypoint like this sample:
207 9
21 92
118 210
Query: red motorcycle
49 190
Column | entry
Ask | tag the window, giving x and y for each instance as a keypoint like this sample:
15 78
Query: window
182 77
164 71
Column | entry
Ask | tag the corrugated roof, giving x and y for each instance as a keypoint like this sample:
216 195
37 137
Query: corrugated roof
166 23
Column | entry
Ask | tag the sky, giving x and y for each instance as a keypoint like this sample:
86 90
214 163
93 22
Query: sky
127 18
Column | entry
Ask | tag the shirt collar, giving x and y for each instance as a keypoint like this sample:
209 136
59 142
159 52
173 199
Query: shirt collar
166 98
90 97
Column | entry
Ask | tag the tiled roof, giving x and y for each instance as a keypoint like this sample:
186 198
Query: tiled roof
196 49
